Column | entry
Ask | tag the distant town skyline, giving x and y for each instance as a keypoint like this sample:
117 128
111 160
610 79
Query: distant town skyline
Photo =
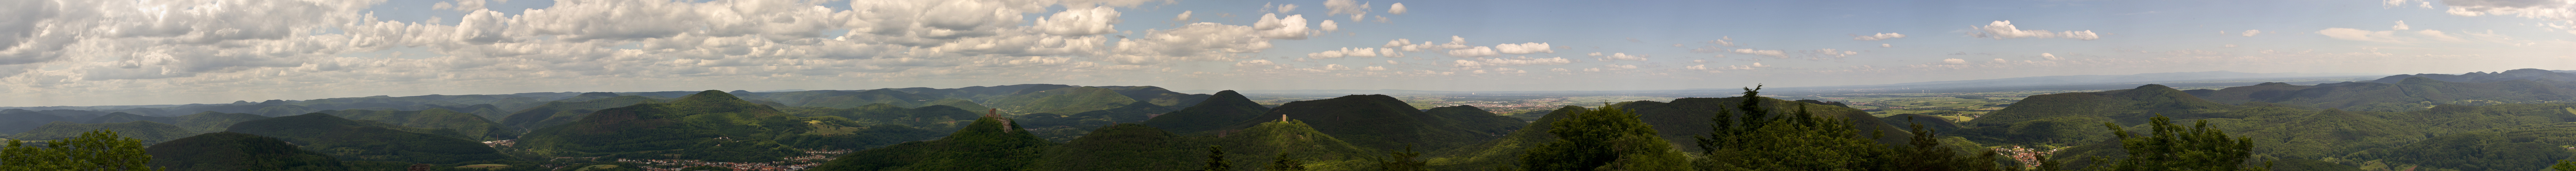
86 53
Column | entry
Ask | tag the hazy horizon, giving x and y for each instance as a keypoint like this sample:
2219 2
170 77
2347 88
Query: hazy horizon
89 53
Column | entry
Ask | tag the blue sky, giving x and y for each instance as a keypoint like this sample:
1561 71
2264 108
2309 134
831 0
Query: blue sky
205 51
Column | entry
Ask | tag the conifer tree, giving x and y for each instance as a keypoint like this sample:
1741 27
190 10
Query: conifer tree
1285 163
1758 139
2171 147
1404 161
1216 160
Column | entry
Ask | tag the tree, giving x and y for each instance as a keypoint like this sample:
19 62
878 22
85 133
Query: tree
2563 165
1285 163
1926 153
1606 139
1759 139
2168 146
1404 161
94 150
1216 159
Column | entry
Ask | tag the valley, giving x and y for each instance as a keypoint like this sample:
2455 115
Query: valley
2405 121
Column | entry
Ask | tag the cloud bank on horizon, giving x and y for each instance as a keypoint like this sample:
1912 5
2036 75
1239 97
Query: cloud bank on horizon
67 52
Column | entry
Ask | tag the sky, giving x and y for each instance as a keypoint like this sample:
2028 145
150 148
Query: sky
138 52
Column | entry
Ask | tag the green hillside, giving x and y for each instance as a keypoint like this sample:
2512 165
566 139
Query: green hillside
1682 118
987 144
1382 122
122 117
566 111
1127 146
436 118
1935 123
848 99
2069 117
1157 95
1061 100
361 140
1223 109
150 132
1251 147
2529 147
1062 128
207 122
1505 151
226 151
13 121
710 125
937 117
2407 94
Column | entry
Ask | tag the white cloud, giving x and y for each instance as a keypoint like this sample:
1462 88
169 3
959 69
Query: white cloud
1525 48
1254 63
1954 61
1879 36
1397 8
2050 56
2559 10
2401 25
1515 61
1349 52
1081 22
2438 35
1885 45
1728 41
1375 68
1287 8
1560 70
1772 53
1292 27
1329 26
2005 30
2228 46
1623 57
2251 33
1185 16
1479 51
2360 35
1833 53
1619 66
1352 7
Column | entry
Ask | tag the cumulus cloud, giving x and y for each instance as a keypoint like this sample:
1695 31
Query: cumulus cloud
1345 52
1879 36
2051 56
1292 27
1397 8
2401 25
1081 22
1329 26
2251 33
1351 7
1885 45
1479 51
2005 30
1185 16
1525 48
1954 61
